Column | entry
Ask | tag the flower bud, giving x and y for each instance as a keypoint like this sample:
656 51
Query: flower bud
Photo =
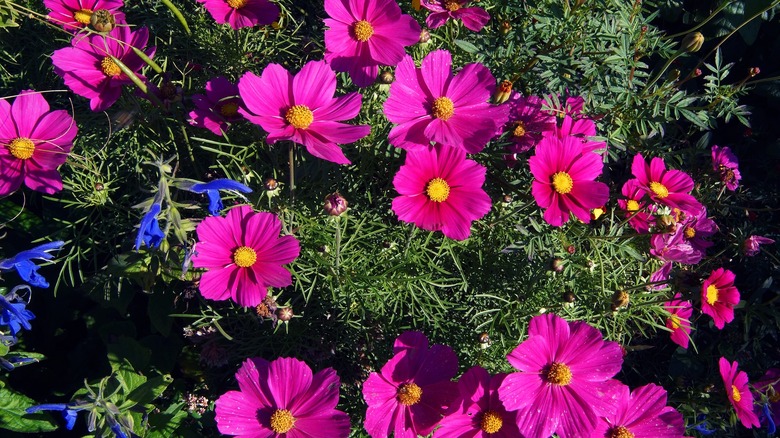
571 249
505 27
502 93
270 184
386 77
754 71
284 314
569 297
425 36
557 264
692 42
620 299
102 20
335 204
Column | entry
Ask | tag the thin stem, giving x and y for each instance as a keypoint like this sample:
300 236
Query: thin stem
700 25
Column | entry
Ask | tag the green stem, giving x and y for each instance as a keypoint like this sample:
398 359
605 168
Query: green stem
663 69
700 25
292 172
338 240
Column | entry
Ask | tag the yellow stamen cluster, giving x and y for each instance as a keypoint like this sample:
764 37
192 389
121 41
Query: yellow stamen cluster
562 182
659 189
632 205
712 294
21 148
735 394
559 374
620 432
491 422
362 30
437 190
236 4
675 322
228 109
409 394
244 256
519 130
451 5
443 108
299 116
282 421
109 67
83 16
689 232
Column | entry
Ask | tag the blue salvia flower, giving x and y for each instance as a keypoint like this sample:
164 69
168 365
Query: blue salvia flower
67 410
149 232
211 189
702 426
14 314
770 428
28 270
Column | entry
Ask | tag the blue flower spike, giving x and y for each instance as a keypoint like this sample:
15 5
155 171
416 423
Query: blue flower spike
149 232
13 314
28 270
68 413
211 189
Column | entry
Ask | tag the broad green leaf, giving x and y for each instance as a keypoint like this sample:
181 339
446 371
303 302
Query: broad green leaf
13 416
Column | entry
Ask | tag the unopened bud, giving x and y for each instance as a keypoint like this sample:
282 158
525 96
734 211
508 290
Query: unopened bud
571 249
754 71
692 42
386 77
270 184
335 204
505 27
502 93
284 313
569 297
557 264
102 20
425 36
620 300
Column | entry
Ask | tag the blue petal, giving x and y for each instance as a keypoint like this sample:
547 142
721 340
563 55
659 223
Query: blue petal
117 429
149 231
70 418
215 202
29 273
46 407
220 184
770 428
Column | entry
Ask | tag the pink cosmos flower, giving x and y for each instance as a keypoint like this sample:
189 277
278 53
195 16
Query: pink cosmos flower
282 399
74 15
679 320
738 392
413 389
362 35
564 180
479 413
242 13
725 163
660 277
636 210
87 67
218 108
243 255
302 108
667 187
34 142
432 104
719 296
474 18
641 413
674 247
527 122
751 245
697 228
441 190
564 380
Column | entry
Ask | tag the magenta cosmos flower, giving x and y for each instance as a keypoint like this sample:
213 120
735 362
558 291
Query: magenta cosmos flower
282 398
636 210
431 104
218 108
564 377
564 180
302 108
441 190
725 163
751 245
719 296
243 255
89 71
679 320
527 122
34 141
474 18
739 394
667 187
641 413
413 389
74 15
362 35
479 413
242 13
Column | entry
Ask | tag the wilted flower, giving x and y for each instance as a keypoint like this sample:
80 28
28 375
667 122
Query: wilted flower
527 122
22 263
725 163
739 394
751 245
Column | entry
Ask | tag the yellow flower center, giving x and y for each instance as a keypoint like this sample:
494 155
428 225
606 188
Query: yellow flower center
620 432
228 109
236 4
244 256
362 30
712 294
21 148
83 16
437 190
491 422
562 182
519 130
451 5
409 394
443 108
675 322
299 116
689 232
632 205
735 394
282 421
109 67
659 189
558 374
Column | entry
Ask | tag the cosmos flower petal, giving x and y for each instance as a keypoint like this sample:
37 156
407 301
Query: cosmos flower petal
433 65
